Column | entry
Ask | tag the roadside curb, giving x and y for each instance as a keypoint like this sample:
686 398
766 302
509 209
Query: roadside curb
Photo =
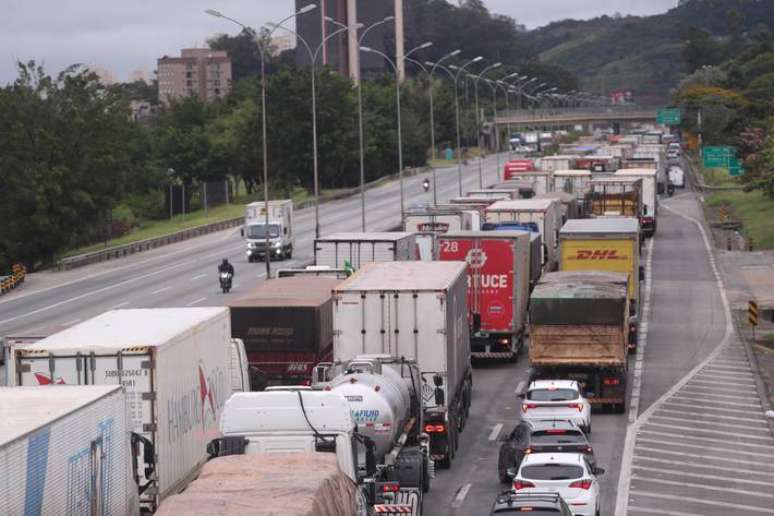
121 251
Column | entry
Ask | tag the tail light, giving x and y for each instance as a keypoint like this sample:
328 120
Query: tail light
589 450
435 428
526 406
578 406
504 341
527 451
522 484
611 381
556 431
647 220
390 487
581 484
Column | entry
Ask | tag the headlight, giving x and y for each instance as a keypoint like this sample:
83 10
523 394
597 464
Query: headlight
277 245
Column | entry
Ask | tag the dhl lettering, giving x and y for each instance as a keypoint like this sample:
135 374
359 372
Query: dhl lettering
598 254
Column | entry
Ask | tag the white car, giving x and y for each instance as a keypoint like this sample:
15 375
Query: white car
569 474
556 399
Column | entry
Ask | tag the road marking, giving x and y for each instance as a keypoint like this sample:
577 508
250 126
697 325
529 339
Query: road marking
671 403
722 431
159 291
692 485
681 396
704 501
700 466
461 494
196 301
120 305
650 510
712 417
744 462
198 276
701 475
721 424
520 387
736 377
634 402
495 431
701 447
715 395
70 323
733 444
724 368
715 384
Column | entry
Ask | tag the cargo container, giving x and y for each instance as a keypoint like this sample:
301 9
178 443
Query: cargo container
498 288
676 176
609 244
546 213
314 271
66 450
521 188
614 196
557 162
515 167
578 326
495 193
541 181
417 311
286 325
177 366
481 199
429 223
575 182
572 207
598 163
649 215
535 245
353 250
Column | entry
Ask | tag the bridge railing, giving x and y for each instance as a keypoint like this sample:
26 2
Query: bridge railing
591 113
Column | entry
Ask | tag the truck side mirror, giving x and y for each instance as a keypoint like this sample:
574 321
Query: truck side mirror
510 473
242 231
370 455
642 273
229 445
285 230
440 397
148 457
645 209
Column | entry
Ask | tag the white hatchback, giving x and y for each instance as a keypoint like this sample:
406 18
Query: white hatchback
556 399
569 474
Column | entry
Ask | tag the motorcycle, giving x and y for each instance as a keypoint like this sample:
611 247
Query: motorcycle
670 189
426 185
225 281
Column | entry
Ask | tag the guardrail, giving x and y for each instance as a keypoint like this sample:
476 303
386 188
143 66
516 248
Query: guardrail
121 251
16 278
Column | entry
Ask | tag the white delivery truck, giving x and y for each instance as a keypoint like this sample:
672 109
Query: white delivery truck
480 199
676 176
178 366
546 213
280 230
66 450
574 182
417 311
557 162
428 223
656 152
648 219
353 250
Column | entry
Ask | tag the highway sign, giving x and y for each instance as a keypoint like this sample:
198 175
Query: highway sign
669 116
718 157
735 167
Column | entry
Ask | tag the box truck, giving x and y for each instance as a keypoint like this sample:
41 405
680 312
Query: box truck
514 168
609 244
648 217
574 182
353 250
572 208
66 450
417 311
286 325
495 193
546 213
557 162
615 196
520 188
280 230
427 224
498 288
578 326
178 366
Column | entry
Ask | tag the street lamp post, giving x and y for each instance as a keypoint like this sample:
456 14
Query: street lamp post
313 59
478 120
456 77
262 53
506 88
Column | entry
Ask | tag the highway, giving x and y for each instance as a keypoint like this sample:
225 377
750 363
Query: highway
685 319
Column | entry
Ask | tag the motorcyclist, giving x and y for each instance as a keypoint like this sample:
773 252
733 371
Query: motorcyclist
426 184
225 266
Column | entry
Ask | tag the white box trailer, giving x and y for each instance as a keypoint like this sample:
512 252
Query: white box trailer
557 162
546 213
574 182
428 224
65 450
280 230
497 194
175 364
648 217
342 250
415 310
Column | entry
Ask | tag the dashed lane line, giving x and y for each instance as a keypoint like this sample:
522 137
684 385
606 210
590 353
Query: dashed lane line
196 301
120 305
495 431
461 494
159 291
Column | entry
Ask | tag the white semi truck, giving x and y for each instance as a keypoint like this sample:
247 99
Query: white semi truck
66 450
417 311
279 229
177 365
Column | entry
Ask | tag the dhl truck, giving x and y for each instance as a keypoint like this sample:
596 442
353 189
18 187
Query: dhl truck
605 244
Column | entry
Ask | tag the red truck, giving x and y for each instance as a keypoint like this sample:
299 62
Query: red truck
498 287
287 327
514 167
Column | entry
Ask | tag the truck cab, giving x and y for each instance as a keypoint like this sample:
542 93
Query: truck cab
279 230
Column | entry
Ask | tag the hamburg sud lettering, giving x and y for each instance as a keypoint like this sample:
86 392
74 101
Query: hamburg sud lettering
198 405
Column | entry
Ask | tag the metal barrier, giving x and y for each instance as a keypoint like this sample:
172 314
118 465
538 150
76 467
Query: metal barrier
16 278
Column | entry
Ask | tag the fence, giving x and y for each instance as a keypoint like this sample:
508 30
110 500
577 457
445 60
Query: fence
16 278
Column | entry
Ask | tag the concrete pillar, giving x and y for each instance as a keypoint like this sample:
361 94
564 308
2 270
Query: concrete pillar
352 46
399 37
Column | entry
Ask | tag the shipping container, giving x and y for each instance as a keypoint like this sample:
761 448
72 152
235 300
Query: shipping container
495 193
515 167
572 208
574 182
557 162
521 188
481 199
175 364
65 450
353 250
546 213
498 287
286 325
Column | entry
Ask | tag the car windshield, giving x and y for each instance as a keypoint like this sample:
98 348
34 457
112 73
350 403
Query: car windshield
259 231
551 472
552 394
558 437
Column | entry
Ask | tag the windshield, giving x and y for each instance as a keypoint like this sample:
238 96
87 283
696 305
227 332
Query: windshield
552 395
259 231
552 472
558 437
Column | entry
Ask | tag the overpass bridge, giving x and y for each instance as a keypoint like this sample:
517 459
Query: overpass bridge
588 118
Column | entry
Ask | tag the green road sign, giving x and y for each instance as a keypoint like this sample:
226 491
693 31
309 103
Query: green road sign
735 167
669 116
718 157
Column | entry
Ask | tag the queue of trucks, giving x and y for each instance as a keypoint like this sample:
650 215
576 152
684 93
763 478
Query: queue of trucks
350 381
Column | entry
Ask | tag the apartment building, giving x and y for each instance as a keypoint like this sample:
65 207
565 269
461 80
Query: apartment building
198 71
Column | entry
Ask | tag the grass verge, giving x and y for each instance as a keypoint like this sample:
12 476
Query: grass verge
754 210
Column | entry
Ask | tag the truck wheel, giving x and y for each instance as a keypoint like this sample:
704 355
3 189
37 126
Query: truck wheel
425 475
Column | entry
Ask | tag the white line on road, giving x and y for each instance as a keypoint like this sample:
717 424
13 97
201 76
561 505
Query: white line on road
688 392
692 485
461 494
730 385
726 369
671 403
693 464
520 387
692 397
733 444
159 291
737 377
196 301
682 499
682 472
715 449
197 277
721 431
712 417
495 431
70 323
651 510
120 305
671 453
720 424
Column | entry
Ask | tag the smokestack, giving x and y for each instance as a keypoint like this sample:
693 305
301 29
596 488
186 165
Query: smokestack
399 50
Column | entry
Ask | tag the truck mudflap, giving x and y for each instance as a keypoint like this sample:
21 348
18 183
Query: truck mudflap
492 354
393 509
405 501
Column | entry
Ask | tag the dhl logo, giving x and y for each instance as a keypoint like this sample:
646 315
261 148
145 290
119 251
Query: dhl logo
598 254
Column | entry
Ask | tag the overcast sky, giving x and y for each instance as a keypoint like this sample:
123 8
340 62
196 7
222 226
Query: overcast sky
121 36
